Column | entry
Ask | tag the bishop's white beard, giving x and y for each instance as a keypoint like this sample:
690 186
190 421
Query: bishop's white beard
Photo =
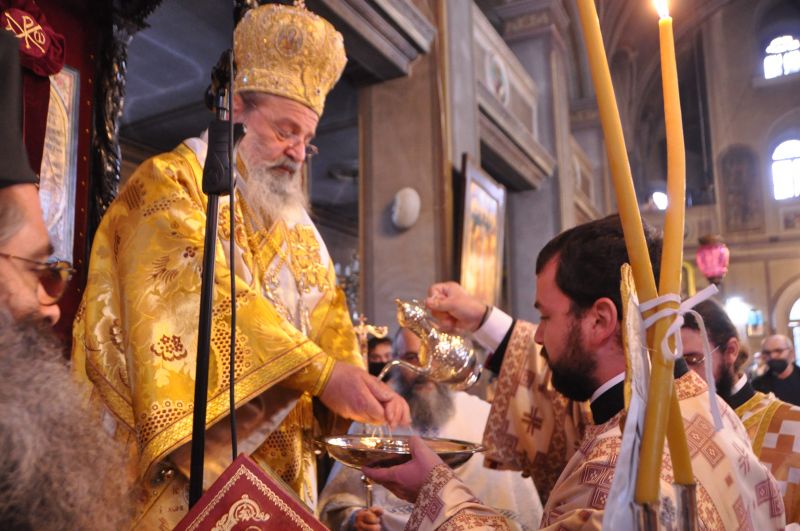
270 191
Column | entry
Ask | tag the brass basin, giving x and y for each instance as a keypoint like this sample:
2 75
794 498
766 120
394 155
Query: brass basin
364 450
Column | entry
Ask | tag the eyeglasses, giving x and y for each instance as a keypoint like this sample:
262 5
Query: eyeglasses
696 358
293 140
769 353
286 137
54 275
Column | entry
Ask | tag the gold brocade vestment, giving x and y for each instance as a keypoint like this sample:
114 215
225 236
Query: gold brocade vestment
135 336
774 430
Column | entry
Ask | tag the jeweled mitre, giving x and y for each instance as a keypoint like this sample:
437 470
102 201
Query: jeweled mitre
288 51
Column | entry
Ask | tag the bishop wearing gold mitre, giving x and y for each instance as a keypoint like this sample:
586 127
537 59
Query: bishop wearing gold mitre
135 336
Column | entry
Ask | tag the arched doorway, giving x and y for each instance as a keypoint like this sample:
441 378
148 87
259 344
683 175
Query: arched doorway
794 324
785 310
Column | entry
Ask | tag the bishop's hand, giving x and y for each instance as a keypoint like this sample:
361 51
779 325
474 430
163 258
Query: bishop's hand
357 395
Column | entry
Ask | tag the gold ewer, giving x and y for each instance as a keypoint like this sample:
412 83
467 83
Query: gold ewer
444 358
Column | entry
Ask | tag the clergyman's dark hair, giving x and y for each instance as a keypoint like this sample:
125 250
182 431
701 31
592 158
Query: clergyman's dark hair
590 257
718 325
375 341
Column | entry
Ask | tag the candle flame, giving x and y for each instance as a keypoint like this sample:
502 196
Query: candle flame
662 6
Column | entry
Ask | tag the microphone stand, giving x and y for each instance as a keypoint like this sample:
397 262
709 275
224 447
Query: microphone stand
223 135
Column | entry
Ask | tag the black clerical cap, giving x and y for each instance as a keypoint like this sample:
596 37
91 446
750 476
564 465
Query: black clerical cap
14 165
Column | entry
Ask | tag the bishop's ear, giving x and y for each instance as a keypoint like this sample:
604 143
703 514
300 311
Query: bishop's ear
238 105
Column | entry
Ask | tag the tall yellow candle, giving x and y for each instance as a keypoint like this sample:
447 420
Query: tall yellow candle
616 152
672 258
670 280
660 398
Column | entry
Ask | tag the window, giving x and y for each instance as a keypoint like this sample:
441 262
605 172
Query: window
782 57
786 170
794 313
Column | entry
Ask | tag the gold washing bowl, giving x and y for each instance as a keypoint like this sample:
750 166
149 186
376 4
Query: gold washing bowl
364 450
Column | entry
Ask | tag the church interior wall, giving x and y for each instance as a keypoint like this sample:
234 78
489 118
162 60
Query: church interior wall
393 144
534 54
566 154
784 276
787 296
535 216
591 142
736 86
533 219
782 273
734 52
400 145
532 215
461 81
748 116
739 283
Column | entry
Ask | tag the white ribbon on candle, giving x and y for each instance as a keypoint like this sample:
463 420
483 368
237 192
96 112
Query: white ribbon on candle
673 331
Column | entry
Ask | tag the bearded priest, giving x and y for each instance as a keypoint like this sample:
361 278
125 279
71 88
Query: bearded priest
135 336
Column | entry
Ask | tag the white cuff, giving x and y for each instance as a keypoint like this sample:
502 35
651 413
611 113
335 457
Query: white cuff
497 325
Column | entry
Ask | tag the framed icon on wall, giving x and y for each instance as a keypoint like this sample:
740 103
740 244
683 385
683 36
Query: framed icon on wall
58 173
483 234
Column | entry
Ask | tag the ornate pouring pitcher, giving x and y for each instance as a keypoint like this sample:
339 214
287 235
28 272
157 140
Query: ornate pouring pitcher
444 358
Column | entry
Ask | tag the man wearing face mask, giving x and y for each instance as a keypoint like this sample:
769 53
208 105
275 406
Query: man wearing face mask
379 352
782 378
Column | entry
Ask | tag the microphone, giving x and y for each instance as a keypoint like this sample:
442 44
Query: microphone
215 171
223 136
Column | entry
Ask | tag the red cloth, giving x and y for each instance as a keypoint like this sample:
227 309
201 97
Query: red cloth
41 54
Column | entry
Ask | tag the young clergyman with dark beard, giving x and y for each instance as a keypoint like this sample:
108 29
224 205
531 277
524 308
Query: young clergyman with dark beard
58 469
537 423
436 411
773 425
